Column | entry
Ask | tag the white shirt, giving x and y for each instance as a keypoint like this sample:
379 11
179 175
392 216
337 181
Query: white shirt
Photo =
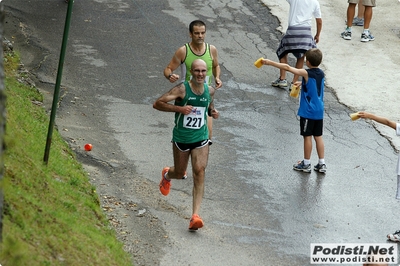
301 12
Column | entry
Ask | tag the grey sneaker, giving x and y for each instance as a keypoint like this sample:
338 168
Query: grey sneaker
300 166
281 83
346 35
320 168
357 21
367 37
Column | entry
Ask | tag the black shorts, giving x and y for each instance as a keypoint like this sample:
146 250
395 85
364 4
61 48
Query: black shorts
310 127
190 146
298 53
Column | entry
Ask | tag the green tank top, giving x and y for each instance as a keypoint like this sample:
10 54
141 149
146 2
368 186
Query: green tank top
193 127
190 57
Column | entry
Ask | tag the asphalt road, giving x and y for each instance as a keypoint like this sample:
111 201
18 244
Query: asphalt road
257 210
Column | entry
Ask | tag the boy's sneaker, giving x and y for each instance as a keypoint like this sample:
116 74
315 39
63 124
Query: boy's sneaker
366 37
300 166
165 185
281 83
195 222
395 237
346 35
320 168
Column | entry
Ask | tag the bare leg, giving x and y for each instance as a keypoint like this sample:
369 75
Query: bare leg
367 16
307 147
299 65
351 10
319 142
360 9
282 73
199 161
181 160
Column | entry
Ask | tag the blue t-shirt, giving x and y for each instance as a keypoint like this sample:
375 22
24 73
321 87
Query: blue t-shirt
312 95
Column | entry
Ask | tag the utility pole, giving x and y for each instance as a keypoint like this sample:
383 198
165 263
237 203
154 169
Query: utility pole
58 83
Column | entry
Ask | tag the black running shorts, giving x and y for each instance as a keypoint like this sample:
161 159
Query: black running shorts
190 146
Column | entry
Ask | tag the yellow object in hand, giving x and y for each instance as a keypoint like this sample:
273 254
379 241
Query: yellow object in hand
258 63
354 116
294 91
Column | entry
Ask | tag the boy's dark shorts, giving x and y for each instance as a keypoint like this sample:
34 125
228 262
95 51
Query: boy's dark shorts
310 127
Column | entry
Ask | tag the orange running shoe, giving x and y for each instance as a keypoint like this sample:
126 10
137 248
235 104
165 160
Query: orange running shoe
165 184
195 222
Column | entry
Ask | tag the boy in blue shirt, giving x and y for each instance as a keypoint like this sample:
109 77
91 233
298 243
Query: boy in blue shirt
311 109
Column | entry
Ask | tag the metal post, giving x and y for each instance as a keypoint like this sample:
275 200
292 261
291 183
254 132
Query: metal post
58 82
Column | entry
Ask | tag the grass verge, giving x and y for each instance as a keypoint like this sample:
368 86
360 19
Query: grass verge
52 214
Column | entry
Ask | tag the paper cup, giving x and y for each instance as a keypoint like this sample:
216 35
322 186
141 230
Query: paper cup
294 91
258 63
354 116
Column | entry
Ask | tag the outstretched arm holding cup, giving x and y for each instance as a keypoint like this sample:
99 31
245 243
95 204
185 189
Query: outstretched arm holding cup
379 119
396 126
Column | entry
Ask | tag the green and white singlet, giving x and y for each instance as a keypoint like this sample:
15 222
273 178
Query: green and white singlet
192 128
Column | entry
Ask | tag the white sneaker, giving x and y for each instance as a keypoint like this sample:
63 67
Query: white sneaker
320 168
395 237
367 37
346 35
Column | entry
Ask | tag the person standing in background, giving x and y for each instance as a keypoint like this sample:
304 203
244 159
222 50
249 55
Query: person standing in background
395 237
391 124
366 35
298 38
